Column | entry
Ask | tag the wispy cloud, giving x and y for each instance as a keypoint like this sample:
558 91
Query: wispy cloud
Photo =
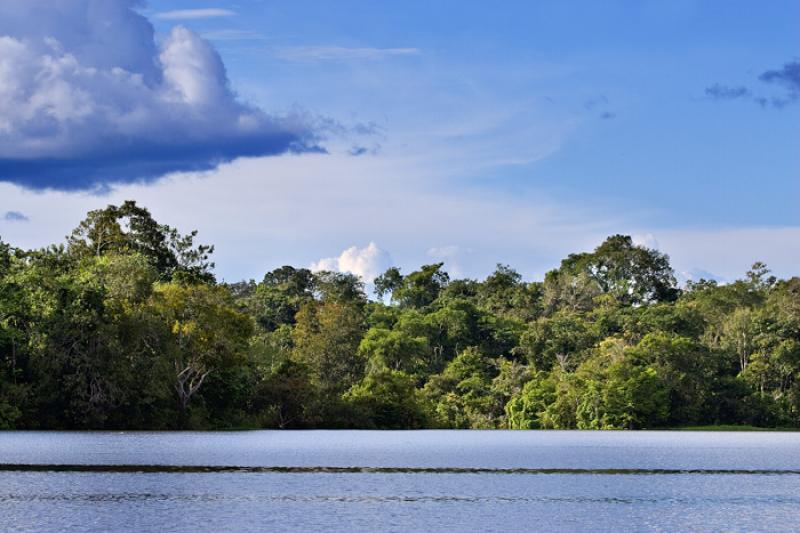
719 91
233 35
601 106
15 216
787 77
595 103
358 150
189 14
340 53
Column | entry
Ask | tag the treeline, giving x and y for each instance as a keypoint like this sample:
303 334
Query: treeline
125 326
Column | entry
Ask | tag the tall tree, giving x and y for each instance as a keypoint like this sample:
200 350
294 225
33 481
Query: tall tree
632 274
130 228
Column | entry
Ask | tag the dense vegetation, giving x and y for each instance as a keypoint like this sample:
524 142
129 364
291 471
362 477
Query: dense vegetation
124 326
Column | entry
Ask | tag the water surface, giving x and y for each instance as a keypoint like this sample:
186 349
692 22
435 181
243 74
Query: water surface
399 481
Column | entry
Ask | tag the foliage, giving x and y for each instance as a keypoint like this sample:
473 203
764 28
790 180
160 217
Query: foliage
387 399
125 326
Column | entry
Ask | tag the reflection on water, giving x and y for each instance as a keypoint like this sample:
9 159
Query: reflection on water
399 481
194 469
644 450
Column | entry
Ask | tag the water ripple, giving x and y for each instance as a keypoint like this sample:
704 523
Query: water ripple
195 469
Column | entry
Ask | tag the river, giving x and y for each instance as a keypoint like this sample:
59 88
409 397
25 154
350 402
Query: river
400 481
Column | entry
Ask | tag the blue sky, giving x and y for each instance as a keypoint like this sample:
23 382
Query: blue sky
355 135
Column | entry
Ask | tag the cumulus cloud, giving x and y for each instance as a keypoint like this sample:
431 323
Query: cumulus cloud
15 216
367 263
88 98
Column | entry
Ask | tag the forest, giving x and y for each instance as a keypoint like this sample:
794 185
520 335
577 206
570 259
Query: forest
124 326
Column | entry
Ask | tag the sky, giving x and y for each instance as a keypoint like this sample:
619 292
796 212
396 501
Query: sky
358 135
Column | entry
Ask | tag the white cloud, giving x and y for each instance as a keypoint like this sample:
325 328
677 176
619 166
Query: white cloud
340 53
190 14
367 263
263 213
193 71
87 97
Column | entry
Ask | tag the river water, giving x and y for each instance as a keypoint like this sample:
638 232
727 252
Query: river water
400 481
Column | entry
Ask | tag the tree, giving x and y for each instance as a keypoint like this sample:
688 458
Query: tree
276 300
504 293
617 389
388 282
387 399
418 289
548 401
125 327
341 287
462 393
326 339
526 409
569 291
633 275
394 350
208 333
738 335
12 340
285 398
687 370
561 339
131 229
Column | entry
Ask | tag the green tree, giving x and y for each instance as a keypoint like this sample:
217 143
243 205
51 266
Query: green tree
394 350
387 399
632 274
561 339
130 228
326 339
618 389
207 333
418 289
462 393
